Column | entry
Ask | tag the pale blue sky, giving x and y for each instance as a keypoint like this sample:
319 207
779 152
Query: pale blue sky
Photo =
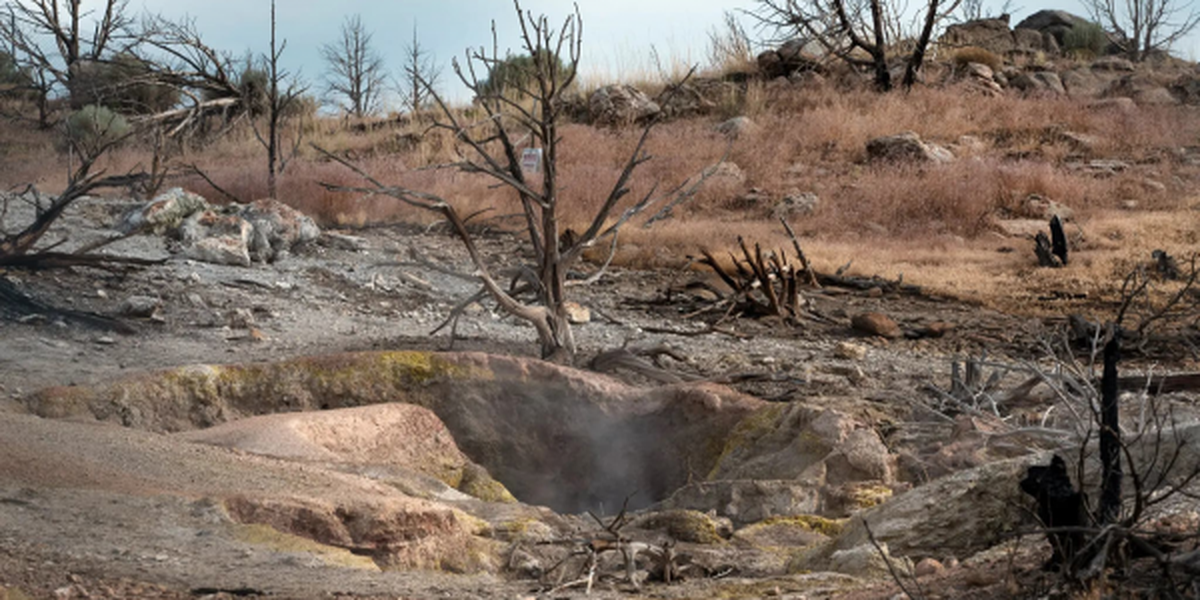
618 34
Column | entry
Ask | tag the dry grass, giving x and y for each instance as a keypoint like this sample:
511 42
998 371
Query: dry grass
936 223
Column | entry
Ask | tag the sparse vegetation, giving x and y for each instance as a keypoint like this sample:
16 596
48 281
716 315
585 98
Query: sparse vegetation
975 54
1085 40
94 126
777 483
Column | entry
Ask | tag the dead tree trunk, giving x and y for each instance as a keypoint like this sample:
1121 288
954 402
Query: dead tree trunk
1110 434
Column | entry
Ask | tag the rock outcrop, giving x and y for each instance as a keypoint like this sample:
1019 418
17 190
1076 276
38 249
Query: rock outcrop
263 231
621 104
1056 23
906 147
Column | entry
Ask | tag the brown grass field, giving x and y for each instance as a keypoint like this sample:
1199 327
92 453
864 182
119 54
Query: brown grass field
933 224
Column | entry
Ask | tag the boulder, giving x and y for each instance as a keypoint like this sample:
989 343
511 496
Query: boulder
278 229
1037 206
868 562
1054 22
787 60
959 514
577 314
1112 63
1187 89
217 238
684 100
747 501
1039 82
383 438
878 324
728 172
555 436
1032 40
849 351
1086 83
140 306
990 34
982 77
737 127
164 213
834 465
621 104
796 204
978 71
906 147
1143 89
160 484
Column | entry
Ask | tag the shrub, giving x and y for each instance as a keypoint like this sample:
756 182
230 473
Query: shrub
115 83
255 85
514 72
975 54
1085 40
93 127
15 81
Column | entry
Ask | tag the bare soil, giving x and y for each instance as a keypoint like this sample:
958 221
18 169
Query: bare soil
81 543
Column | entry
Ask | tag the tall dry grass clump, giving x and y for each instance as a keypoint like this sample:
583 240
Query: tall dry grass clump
974 54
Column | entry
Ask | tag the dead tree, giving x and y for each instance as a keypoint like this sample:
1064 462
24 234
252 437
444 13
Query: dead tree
1144 27
1052 251
863 34
419 74
1110 434
1142 465
51 38
283 90
177 55
354 69
19 248
494 147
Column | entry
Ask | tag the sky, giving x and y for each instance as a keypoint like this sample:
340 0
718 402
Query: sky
619 35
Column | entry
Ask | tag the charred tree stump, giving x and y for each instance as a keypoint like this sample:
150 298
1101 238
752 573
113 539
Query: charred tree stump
1051 250
1058 239
1059 506
1110 434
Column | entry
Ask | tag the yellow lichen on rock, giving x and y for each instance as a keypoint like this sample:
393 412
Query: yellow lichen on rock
813 523
870 495
477 482
685 526
749 429
267 536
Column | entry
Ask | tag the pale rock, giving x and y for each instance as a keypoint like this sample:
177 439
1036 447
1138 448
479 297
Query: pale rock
140 306
577 314
278 229
906 147
928 567
164 213
796 204
868 562
621 104
849 351
736 127
216 238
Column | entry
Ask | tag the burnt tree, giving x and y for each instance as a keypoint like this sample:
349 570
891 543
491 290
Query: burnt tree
522 121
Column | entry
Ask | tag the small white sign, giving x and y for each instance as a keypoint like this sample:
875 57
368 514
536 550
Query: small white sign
531 160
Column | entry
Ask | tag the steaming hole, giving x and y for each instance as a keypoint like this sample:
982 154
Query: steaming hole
551 447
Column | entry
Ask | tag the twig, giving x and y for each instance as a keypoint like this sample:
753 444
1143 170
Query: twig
887 560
